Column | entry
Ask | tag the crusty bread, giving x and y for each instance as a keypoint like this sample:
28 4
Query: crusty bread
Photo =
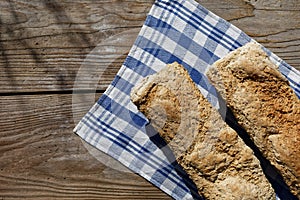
211 153
264 105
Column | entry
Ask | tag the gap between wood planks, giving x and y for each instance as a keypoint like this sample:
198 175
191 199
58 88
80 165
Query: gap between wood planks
18 93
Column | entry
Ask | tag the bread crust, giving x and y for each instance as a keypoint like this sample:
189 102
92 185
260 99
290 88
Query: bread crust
211 153
264 105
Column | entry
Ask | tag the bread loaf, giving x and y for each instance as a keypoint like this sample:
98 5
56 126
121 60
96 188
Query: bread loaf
264 105
211 153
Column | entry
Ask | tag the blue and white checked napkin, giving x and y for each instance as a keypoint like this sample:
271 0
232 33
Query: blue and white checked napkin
174 30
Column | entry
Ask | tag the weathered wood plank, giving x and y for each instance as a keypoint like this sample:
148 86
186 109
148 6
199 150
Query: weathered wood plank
273 23
40 157
44 43
43 47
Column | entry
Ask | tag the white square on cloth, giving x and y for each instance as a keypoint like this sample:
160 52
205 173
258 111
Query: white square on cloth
175 30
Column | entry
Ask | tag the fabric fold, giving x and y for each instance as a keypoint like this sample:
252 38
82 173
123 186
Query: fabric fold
174 30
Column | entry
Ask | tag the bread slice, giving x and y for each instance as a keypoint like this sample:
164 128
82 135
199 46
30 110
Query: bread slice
211 153
264 105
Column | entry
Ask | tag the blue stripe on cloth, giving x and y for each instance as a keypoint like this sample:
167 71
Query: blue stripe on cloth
122 142
167 57
198 18
295 88
181 31
122 112
123 138
154 22
286 70
222 27
138 66
215 39
123 85
184 41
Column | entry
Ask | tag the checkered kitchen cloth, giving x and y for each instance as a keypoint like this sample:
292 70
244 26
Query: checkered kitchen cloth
174 30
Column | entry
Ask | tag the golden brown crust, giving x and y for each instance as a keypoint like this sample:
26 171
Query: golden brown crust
265 105
212 154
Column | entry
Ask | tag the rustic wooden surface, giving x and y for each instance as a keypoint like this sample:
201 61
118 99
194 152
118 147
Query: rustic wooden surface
44 43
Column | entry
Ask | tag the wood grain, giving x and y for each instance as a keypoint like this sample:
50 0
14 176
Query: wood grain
44 43
42 158
44 46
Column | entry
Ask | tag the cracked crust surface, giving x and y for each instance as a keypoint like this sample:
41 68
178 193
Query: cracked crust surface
265 105
212 154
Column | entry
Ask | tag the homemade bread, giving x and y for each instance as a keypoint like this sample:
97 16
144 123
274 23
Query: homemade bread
211 153
264 105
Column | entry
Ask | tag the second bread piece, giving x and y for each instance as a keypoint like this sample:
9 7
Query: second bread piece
211 153
265 105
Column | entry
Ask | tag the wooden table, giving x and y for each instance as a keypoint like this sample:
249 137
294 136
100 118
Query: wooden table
44 43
